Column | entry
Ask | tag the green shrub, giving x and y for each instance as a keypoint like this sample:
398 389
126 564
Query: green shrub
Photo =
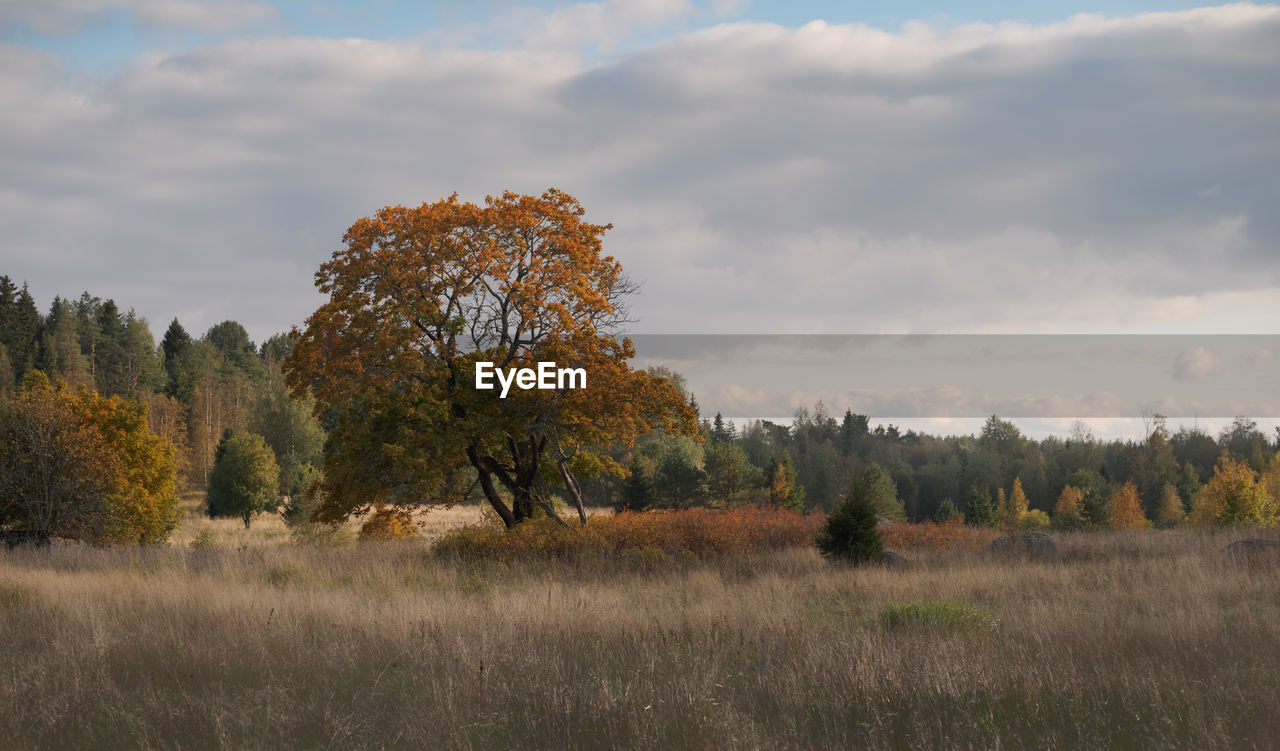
205 539
937 614
325 535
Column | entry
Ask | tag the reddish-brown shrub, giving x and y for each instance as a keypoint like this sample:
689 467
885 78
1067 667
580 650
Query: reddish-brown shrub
700 532
944 536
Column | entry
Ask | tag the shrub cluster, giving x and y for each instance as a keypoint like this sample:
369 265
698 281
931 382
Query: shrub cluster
945 536
699 532
388 523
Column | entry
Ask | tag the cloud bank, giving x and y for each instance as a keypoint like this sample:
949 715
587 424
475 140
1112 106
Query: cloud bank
1093 175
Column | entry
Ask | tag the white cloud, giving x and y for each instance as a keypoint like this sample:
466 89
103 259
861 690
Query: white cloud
65 17
828 178
1196 364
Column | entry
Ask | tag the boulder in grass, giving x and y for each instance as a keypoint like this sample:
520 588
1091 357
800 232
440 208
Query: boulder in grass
1035 544
1002 544
1255 548
889 559
24 538
1039 544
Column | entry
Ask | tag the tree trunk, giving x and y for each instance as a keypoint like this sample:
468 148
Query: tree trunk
490 492
572 487
248 517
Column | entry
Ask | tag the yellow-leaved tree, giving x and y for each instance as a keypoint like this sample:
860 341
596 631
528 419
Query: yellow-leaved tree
1126 508
84 466
1234 496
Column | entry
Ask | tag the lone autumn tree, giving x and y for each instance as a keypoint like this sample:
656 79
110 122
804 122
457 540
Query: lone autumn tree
416 298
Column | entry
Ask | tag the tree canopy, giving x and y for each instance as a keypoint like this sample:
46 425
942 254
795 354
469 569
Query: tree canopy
245 478
415 298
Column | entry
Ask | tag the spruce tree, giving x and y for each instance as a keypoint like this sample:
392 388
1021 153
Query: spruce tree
850 534
636 492
981 511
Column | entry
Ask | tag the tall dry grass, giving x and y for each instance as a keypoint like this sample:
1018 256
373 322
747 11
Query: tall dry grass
1126 640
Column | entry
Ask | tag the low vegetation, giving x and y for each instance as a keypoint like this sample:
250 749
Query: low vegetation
1126 639
694 533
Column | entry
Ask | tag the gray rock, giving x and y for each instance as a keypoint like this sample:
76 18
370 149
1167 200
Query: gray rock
1039 544
1036 544
14 538
889 559
1254 547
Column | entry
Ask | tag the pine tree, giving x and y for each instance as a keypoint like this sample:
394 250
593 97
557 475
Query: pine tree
19 327
174 345
636 492
60 345
722 432
850 534
981 511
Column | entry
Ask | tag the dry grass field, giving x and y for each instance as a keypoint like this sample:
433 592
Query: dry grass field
1138 640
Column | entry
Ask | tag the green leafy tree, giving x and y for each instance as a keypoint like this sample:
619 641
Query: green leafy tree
245 479
947 511
1001 437
882 492
231 339
729 474
850 534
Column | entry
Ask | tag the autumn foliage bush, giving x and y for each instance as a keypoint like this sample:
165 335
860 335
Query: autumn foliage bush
699 532
933 535
388 523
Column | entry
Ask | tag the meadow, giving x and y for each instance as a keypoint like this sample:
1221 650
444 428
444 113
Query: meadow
246 639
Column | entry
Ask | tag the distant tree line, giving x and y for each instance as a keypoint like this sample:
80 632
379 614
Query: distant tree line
197 391
222 395
997 478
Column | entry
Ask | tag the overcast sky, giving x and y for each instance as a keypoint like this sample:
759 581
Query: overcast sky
823 167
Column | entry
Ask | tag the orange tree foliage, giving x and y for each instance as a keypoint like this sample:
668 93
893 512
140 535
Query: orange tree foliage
1066 512
85 466
700 532
419 295
1126 508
